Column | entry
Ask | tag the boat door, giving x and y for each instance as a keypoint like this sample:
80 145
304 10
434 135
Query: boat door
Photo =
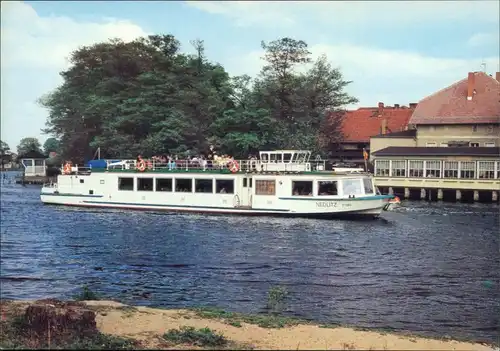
246 192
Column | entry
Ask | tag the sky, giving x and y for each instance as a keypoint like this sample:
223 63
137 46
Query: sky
393 52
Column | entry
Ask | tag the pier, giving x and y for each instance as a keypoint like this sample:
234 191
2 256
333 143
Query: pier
427 173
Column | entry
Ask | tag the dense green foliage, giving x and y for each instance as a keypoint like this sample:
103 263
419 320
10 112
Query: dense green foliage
28 144
146 97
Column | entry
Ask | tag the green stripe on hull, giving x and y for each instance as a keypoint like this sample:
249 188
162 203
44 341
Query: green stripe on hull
374 197
184 206
70 195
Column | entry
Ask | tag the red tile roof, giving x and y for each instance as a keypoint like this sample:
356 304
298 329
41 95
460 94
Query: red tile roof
359 125
450 105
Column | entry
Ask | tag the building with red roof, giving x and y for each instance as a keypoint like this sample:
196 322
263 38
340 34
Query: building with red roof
455 143
466 113
361 124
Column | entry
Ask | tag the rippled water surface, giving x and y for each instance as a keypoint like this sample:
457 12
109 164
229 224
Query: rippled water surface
427 267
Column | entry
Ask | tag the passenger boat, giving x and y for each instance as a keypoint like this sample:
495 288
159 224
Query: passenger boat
280 183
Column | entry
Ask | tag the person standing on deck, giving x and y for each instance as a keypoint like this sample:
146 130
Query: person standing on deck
210 156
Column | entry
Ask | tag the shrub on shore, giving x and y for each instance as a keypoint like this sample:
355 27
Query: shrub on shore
196 337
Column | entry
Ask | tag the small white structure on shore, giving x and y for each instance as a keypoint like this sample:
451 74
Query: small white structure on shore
33 163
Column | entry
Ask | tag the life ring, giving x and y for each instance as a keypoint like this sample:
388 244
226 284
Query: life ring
141 166
67 168
234 166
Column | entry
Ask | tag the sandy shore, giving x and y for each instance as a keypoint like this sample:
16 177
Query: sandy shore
148 325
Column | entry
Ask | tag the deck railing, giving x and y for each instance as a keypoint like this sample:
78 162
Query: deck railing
244 166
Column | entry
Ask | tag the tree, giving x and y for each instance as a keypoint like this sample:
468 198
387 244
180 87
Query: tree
51 145
28 144
301 102
142 97
146 97
4 147
4 156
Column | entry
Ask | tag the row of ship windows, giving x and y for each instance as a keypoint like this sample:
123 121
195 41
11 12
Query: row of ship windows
438 169
226 186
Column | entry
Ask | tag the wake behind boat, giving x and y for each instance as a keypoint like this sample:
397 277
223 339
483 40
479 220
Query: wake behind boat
279 183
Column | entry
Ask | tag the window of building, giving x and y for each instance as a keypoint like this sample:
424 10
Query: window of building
368 185
450 169
224 186
183 185
433 169
164 184
302 188
351 186
398 168
443 145
474 128
144 184
490 144
382 168
468 169
474 144
204 186
327 188
126 184
498 170
265 187
431 144
486 169
416 169
490 129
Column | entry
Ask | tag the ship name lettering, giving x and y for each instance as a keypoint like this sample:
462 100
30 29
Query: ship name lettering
325 204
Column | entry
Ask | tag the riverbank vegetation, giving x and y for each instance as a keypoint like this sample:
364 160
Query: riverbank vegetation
112 325
94 324
147 97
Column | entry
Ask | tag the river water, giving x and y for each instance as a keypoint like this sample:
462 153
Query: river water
428 268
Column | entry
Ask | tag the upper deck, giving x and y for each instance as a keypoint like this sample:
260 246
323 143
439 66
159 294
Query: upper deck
276 162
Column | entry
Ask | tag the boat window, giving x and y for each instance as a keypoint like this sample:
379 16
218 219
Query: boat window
183 185
126 184
204 185
224 186
368 185
287 157
302 188
265 187
295 157
351 187
264 158
327 188
144 184
163 184
245 182
82 181
249 182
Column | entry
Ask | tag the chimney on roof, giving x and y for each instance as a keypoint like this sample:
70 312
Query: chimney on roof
413 104
497 76
384 126
396 105
470 85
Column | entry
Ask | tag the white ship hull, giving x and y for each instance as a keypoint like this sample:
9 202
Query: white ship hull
101 189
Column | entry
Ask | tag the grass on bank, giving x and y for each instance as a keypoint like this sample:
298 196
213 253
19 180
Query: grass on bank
197 337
